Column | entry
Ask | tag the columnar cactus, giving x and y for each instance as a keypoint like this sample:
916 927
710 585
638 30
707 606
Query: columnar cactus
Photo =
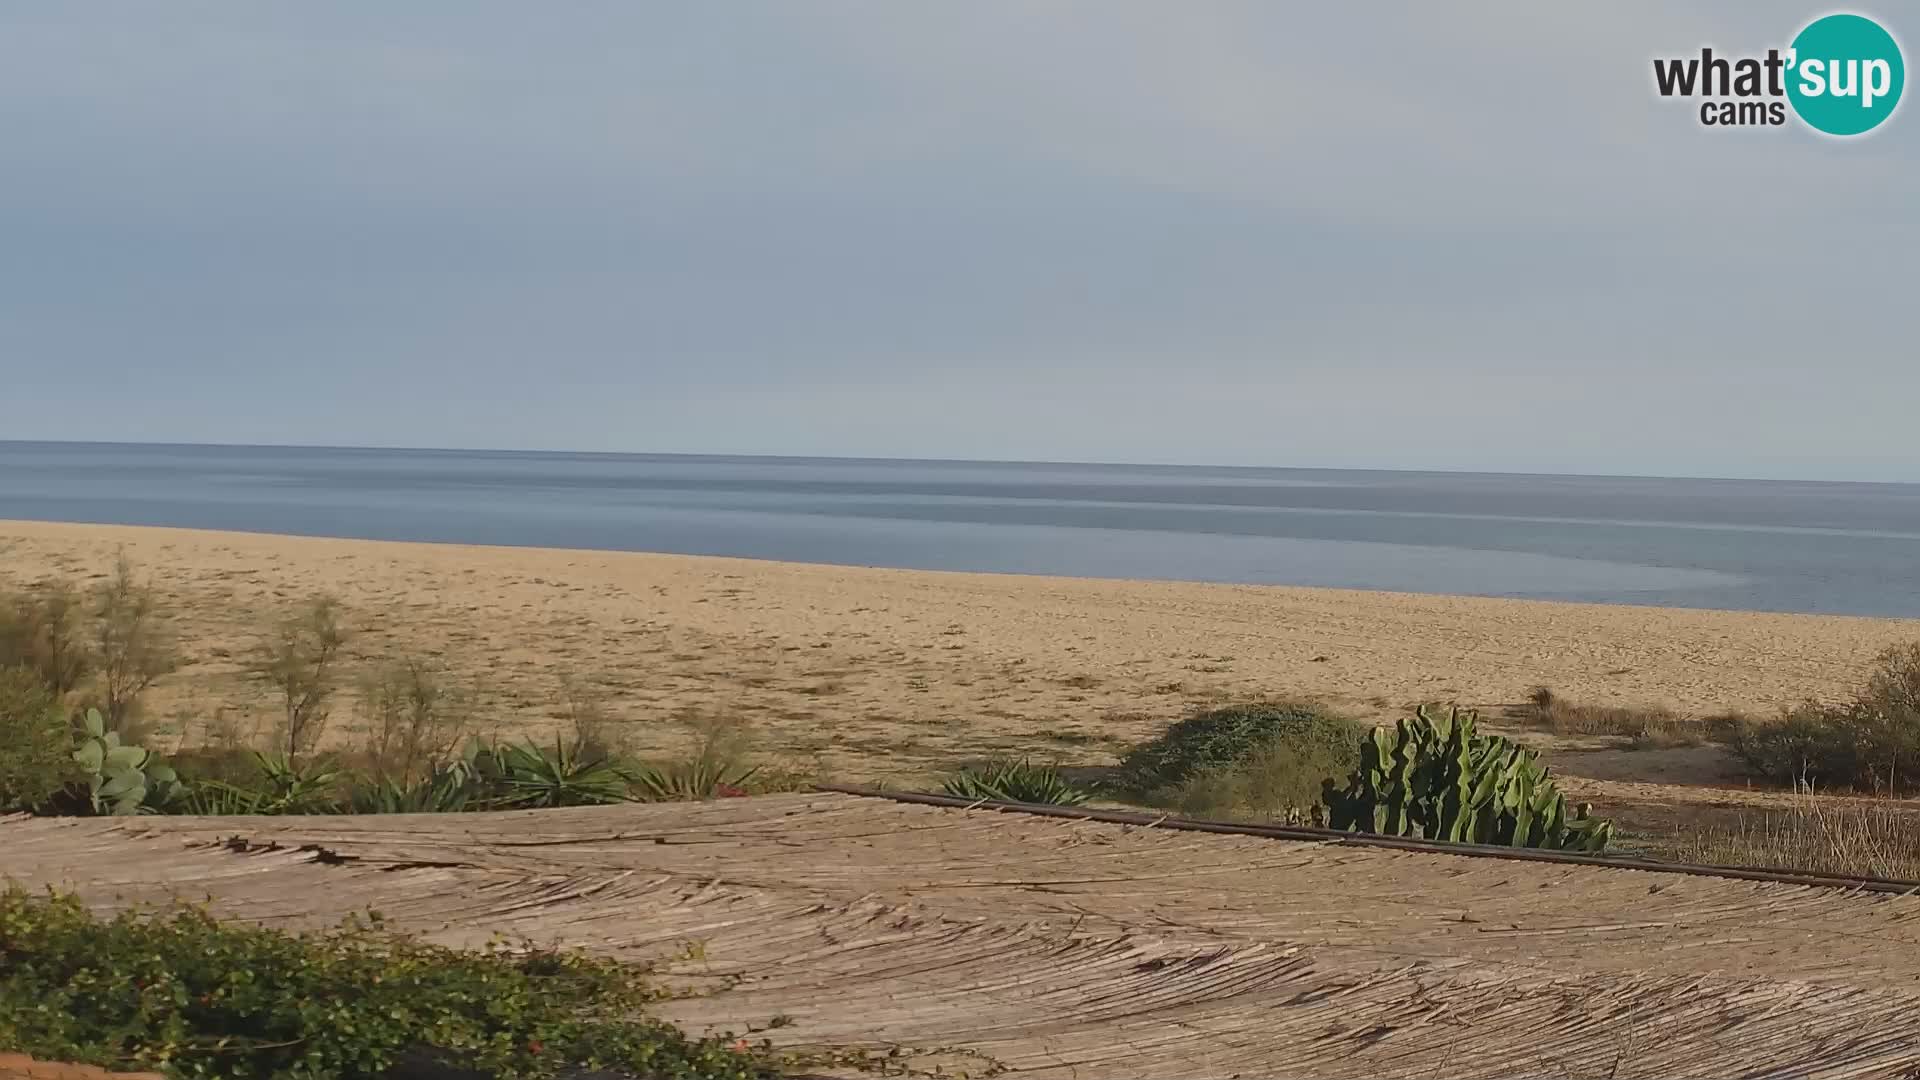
1431 776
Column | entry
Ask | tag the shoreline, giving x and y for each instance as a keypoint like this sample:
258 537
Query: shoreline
8 524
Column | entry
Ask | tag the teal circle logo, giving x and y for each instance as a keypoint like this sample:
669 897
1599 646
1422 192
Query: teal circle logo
1845 74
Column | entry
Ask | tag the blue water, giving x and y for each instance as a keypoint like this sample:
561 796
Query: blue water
1752 545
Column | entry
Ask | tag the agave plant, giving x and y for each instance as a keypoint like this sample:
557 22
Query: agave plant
448 788
703 776
123 779
1015 781
528 776
283 788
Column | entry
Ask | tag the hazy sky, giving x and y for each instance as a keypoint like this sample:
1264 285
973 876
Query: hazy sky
1369 234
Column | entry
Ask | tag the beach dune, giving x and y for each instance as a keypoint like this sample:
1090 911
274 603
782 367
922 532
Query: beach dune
889 675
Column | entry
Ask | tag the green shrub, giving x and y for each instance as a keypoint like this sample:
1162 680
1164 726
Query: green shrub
1871 743
1811 744
1815 745
36 760
1015 781
1273 783
1433 776
1267 760
184 994
1893 688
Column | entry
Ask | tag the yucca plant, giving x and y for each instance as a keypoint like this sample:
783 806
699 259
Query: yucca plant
1015 781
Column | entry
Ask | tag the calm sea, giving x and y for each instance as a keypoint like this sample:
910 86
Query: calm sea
1756 545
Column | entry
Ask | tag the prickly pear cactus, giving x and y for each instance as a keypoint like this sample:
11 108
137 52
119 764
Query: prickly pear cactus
1432 776
122 779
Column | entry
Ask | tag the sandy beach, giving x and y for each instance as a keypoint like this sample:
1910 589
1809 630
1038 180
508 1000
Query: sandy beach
888 675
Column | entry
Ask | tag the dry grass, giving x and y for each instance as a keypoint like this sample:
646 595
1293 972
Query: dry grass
1643 727
1819 833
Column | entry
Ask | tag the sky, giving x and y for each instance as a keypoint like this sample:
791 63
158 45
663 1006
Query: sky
1383 235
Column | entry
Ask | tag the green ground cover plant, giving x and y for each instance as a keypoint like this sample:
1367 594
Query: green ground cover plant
1256 760
184 994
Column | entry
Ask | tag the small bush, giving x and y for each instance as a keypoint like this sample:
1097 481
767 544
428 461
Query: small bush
1871 743
1893 689
300 661
36 760
1810 744
1817 745
132 647
593 731
1015 781
1266 760
44 631
183 993
415 721
1272 783
226 764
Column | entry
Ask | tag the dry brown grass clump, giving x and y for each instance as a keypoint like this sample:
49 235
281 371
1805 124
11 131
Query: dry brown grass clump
1644 727
1872 838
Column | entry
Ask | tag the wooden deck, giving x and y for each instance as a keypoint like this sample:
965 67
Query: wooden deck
1063 949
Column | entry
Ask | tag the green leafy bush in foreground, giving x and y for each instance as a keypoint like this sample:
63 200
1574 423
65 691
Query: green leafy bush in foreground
1015 781
182 993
